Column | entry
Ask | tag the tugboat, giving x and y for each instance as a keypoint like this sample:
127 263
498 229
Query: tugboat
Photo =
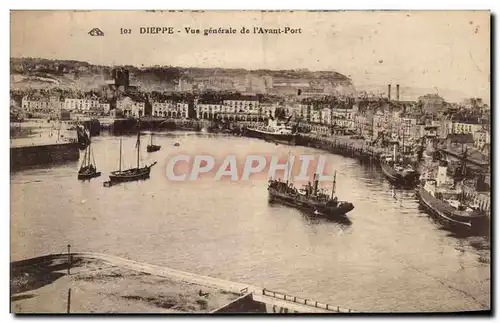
152 148
277 131
310 198
88 169
132 174
439 196
397 171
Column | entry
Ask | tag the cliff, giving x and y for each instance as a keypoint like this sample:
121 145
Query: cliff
65 74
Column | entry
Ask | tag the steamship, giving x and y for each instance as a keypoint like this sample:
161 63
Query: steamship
310 198
438 195
277 131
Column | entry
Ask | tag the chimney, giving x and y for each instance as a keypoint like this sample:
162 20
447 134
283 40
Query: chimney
397 92
389 91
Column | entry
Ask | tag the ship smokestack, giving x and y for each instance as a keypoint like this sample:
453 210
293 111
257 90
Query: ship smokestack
397 92
441 176
389 91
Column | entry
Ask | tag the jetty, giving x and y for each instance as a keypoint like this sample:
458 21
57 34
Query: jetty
101 283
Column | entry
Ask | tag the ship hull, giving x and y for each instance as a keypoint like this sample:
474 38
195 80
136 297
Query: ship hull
152 148
330 212
88 175
132 174
399 178
289 139
451 219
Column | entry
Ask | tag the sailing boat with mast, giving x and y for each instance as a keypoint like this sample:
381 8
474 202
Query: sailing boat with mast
88 169
131 174
152 148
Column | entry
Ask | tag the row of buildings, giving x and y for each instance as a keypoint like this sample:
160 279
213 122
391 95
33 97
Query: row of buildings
369 122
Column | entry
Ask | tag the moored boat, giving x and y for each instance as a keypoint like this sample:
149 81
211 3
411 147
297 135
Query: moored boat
131 174
278 131
397 171
439 196
151 147
88 169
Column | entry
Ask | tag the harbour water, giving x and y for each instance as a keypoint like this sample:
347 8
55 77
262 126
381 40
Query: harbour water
392 258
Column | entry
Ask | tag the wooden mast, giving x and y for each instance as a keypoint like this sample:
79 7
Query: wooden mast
90 142
334 184
138 146
120 166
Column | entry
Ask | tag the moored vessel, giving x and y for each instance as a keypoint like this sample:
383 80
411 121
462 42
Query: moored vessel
131 174
438 195
151 147
397 171
88 169
277 131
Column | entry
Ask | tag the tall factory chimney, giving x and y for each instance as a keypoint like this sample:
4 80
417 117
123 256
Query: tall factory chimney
397 92
389 91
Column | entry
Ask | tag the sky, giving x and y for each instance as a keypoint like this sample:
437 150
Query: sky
425 51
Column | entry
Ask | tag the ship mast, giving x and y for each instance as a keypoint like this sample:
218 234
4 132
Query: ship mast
334 183
120 166
90 141
138 144
404 128
288 170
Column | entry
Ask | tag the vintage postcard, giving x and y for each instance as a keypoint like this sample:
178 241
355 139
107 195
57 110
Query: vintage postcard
250 162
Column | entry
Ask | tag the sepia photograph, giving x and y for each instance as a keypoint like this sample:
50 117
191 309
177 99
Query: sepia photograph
265 162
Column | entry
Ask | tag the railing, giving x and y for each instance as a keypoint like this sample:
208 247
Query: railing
305 301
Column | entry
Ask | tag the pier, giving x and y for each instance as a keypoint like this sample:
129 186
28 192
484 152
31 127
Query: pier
41 154
246 299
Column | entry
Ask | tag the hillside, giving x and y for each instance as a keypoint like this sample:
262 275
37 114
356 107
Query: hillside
45 73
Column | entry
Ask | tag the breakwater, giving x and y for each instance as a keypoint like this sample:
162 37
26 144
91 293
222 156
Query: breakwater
25 156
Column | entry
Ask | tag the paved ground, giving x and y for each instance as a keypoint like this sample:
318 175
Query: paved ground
101 287
107 284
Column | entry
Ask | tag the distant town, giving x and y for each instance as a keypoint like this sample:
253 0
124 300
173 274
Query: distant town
323 106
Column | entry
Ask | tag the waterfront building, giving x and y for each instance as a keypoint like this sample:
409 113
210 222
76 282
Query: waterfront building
268 109
243 104
169 109
326 116
379 123
130 108
41 105
316 116
363 124
82 105
233 108
344 117
35 104
207 111
304 111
